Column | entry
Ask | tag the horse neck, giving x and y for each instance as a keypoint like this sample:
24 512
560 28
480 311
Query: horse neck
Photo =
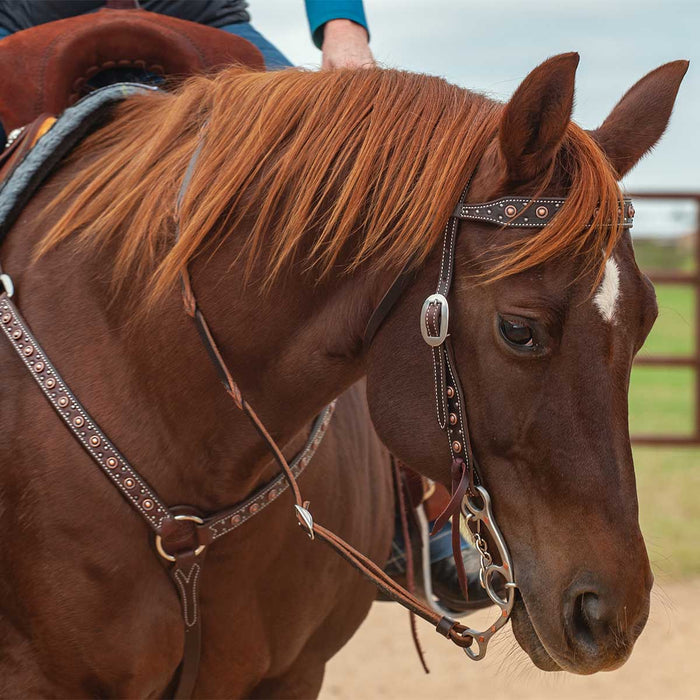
293 347
291 350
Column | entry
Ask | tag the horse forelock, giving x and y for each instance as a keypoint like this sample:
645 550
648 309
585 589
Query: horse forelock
341 168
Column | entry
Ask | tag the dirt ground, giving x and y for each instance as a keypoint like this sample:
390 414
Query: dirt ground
380 662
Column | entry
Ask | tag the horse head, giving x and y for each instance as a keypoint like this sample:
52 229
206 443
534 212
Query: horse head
545 326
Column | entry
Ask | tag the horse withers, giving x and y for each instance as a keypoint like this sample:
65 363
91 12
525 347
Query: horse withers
294 223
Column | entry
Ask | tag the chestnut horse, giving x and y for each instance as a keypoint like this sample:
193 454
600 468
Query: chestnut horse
311 192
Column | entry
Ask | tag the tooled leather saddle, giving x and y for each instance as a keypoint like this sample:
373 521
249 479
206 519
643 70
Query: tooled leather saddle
48 68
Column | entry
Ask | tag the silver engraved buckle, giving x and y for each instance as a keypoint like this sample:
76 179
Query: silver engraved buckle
435 340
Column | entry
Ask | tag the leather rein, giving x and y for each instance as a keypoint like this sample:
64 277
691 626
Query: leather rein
183 534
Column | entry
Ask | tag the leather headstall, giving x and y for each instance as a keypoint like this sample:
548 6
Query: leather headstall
470 499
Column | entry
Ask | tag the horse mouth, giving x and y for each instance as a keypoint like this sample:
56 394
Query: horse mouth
528 639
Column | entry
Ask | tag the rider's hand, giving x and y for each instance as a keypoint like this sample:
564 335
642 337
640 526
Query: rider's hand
345 45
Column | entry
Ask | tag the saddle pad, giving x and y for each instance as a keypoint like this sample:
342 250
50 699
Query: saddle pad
56 144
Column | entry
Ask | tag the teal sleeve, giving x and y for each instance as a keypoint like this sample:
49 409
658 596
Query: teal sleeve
319 12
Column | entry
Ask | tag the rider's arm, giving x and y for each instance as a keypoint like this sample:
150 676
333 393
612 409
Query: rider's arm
339 29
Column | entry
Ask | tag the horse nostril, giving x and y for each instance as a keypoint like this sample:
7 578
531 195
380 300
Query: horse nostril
589 617
592 607
601 624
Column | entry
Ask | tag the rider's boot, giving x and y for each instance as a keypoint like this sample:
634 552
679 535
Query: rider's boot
435 572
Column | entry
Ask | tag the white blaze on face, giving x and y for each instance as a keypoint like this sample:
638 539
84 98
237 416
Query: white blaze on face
607 295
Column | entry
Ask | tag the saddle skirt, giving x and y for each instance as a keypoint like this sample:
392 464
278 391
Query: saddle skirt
46 69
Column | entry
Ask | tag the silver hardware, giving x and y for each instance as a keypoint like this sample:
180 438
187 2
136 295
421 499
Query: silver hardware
14 135
306 522
159 541
6 282
477 515
435 340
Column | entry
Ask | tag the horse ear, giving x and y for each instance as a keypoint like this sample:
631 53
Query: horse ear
640 117
534 121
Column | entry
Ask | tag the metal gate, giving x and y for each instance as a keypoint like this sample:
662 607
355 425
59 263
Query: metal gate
693 361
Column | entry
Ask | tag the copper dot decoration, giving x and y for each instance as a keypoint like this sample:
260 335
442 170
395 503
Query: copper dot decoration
78 421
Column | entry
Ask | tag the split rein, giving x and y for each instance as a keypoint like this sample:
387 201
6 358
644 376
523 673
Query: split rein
183 534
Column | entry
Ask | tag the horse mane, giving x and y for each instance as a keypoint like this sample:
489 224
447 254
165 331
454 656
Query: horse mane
306 161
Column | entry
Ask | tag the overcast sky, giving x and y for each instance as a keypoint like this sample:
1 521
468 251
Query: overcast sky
490 47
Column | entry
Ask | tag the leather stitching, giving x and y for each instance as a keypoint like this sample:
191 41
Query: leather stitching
183 582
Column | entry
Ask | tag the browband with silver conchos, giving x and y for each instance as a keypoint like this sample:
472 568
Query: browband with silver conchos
524 212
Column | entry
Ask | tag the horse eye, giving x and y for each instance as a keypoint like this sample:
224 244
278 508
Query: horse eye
517 333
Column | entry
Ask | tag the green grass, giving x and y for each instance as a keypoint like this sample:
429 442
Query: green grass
668 484
672 333
662 401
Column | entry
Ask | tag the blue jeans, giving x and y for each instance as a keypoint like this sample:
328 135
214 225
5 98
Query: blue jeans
274 58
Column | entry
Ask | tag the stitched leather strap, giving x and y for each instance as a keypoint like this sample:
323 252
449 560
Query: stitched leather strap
521 212
518 212
185 573
401 495
103 452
